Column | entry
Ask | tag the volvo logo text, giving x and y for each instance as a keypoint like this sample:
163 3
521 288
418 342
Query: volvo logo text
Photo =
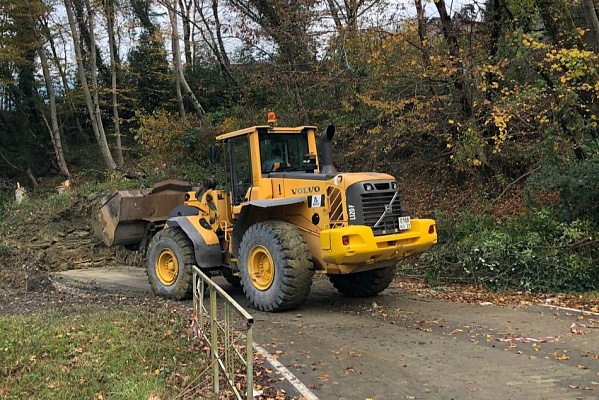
306 190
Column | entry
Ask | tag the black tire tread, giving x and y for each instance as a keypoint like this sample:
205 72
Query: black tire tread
183 288
295 273
363 284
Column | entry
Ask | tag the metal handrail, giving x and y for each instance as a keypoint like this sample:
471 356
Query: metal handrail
223 357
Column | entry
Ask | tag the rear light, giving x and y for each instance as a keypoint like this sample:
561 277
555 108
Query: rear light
345 240
431 229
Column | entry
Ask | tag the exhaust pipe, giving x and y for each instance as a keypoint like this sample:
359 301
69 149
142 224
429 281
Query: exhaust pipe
327 151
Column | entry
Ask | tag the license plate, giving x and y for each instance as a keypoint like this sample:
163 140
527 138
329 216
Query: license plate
404 223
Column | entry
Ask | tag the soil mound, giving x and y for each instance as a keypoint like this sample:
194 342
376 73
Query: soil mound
41 243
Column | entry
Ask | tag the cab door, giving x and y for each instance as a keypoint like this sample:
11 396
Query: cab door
241 168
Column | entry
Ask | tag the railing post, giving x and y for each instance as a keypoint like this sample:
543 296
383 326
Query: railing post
214 338
227 347
201 302
249 362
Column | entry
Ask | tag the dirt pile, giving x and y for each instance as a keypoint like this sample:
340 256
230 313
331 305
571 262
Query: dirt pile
41 242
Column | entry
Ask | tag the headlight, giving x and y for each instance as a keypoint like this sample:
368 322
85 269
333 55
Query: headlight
368 187
394 185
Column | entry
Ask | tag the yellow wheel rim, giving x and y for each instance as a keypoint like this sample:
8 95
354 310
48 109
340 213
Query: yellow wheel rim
261 268
167 267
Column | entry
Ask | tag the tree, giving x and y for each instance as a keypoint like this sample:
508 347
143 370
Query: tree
172 12
287 23
53 128
109 11
591 15
214 40
454 51
93 105
149 79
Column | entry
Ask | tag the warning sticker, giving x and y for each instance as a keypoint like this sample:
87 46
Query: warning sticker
316 201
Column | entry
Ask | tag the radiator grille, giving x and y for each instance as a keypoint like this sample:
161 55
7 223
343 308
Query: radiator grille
374 205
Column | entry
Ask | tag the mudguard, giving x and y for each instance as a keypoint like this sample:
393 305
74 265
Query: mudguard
206 245
246 216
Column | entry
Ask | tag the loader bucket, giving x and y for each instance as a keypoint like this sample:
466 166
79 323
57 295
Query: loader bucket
122 217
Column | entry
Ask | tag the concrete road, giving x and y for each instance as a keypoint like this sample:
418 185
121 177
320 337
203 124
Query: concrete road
402 346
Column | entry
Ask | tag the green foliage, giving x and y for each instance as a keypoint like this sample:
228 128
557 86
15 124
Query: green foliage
577 182
149 77
110 182
173 148
533 252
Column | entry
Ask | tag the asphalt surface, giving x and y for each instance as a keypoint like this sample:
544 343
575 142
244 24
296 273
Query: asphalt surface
402 346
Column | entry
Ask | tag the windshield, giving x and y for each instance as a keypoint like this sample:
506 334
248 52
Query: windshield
280 152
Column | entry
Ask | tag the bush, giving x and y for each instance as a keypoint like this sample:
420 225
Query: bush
578 185
172 147
534 252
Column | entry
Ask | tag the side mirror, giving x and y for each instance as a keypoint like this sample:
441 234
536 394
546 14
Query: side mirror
214 154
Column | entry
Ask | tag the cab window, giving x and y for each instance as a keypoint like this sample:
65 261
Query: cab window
241 170
282 152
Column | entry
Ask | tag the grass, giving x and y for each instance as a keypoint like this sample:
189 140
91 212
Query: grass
97 353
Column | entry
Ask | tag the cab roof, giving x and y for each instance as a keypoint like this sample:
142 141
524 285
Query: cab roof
245 131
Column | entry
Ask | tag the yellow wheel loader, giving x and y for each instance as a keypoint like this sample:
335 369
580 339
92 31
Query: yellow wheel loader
286 215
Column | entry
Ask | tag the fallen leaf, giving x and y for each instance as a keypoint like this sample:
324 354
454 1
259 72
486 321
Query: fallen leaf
324 377
580 366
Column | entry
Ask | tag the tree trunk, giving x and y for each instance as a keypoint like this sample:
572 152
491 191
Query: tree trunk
172 12
110 14
592 17
558 23
63 78
423 40
185 11
217 46
54 129
335 15
87 37
94 110
454 51
94 74
182 112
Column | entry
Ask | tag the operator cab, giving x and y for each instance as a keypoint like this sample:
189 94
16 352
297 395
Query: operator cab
263 152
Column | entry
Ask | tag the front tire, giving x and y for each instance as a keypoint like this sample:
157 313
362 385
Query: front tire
275 266
170 257
363 284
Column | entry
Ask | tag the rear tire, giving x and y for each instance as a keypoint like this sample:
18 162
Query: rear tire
363 284
170 257
275 266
